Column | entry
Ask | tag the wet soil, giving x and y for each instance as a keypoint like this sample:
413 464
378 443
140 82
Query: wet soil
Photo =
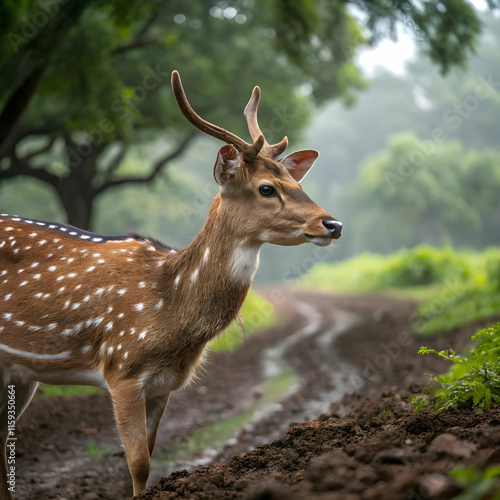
345 430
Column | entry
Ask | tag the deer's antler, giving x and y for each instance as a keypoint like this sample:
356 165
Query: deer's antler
272 150
249 151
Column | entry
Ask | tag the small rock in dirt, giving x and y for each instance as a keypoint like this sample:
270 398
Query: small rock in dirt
451 445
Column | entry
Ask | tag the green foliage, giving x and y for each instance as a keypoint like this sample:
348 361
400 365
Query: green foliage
117 94
460 302
473 379
454 305
455 288
493 270
419 266
94 450
445 197
48 391
479 483
424 190
257 313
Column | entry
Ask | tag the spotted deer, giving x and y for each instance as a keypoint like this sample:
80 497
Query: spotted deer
133 315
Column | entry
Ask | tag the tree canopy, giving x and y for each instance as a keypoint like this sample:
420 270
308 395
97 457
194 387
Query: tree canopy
82 83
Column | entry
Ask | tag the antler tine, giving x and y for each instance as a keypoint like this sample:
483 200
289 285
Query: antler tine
249 150
250 113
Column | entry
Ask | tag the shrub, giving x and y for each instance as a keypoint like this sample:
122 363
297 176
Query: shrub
419 266
493 270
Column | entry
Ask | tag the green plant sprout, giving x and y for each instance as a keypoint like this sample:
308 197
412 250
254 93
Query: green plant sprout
473 379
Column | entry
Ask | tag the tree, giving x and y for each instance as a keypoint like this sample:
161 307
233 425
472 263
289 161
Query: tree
428 105
416 191
83 82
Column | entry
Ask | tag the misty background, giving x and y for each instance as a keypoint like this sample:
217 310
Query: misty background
408 132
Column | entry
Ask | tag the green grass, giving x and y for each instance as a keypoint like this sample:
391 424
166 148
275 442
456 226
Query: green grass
454 288
48 391
94 450
438 315
418 267
257 313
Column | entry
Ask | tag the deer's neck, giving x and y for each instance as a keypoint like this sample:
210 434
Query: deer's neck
208 280
222 252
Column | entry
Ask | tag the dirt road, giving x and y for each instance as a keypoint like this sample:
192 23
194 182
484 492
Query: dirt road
346 362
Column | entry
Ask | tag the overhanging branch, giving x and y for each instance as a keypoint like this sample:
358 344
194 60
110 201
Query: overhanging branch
43 149
19 166
157 169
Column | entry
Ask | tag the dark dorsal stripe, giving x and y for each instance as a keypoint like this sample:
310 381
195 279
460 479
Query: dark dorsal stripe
81 234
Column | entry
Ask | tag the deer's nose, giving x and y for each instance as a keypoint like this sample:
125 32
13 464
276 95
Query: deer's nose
334 226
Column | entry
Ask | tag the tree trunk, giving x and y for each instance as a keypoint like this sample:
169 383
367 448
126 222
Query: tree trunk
78 202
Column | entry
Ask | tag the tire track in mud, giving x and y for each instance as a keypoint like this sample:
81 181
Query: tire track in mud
324 377
56 463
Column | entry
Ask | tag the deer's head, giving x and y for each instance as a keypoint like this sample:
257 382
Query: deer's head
260 193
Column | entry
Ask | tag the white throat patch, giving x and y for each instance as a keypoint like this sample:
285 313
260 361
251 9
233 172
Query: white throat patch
244 263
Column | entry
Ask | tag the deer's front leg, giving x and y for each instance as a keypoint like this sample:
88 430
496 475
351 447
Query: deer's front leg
154 411
130 414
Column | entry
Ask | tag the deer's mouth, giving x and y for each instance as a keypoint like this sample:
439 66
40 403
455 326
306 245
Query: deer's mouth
322 240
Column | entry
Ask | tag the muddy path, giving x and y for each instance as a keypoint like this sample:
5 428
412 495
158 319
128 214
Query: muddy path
324 349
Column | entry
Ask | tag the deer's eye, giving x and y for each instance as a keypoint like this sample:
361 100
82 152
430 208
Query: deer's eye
267 191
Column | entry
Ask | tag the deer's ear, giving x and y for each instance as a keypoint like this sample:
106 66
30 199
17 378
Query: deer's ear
226 166
299 163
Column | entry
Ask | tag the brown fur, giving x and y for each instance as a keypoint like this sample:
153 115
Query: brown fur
129 313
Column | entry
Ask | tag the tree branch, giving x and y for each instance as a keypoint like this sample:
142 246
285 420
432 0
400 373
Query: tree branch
43 149
116 162
15 106
18 166
145 28
136 44
157 169
140 39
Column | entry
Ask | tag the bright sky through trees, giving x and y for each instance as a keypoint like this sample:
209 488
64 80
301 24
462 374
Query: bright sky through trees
392 55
